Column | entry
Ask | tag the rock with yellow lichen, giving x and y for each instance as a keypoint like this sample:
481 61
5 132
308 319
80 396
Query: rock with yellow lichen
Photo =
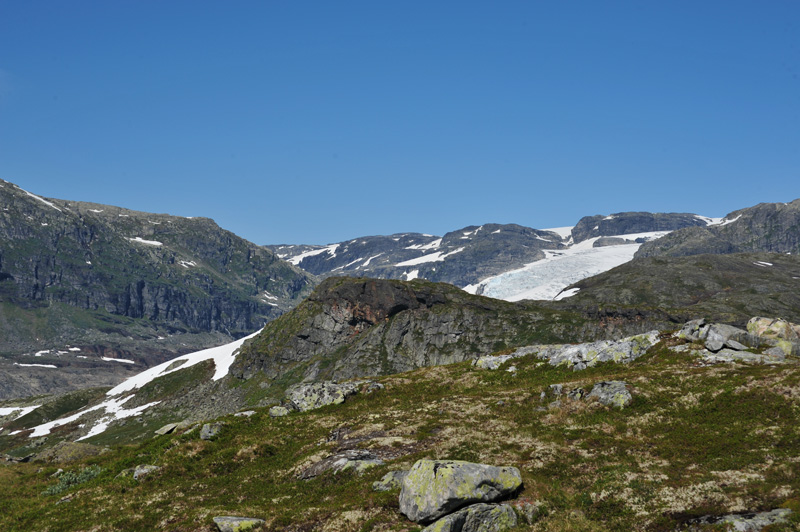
477 518
435 488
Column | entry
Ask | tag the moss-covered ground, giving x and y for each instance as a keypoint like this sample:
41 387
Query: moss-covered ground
696 440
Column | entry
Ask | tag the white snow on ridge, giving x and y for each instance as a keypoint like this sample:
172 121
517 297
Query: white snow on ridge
223 356
51 366
370 260
724 221
18 410
140 240
297 259
432 245
34 196
433 257
125 360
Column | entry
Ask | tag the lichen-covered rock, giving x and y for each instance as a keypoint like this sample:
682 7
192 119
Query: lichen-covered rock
167 429
210 430
479 517
774 328
358 460
612 393
393 480
309 396
278 411
579 356
141 471
435 488
747 522
237 524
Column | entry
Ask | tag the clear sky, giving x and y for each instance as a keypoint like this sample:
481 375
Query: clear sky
320 121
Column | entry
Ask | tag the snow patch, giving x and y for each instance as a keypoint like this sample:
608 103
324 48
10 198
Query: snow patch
223 356
34 196
762 263
724 221
140 240
187 264
413 274
125 360
296 260
96 210
431 245
18 410
370 260
74 349
433 257
36 365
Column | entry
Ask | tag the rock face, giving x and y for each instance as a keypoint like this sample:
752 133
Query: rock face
351 328
310 396
434 488
110 278
767 227
624 223
477 518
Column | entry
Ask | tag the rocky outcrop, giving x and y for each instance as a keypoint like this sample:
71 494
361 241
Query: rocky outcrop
746 522
625 223
767 227
722 342
358 460
579 356
435 488
350 328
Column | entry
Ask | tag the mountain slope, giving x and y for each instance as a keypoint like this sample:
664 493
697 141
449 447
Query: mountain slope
767 227
501 261
113 281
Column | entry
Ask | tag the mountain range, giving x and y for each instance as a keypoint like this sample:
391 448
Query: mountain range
678 311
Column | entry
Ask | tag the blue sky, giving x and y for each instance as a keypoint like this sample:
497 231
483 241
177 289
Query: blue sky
320 121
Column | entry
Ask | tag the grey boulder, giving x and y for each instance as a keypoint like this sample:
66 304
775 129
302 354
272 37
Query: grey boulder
210 430
435 488
611 393
477 518
393 480
237 524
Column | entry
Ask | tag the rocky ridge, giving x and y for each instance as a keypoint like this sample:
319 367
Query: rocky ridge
766 227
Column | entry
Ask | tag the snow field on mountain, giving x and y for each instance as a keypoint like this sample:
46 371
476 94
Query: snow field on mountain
547 278
223 357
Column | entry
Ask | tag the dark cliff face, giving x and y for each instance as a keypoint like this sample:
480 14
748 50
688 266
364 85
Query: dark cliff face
623 223
186 274
360 327
767 227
